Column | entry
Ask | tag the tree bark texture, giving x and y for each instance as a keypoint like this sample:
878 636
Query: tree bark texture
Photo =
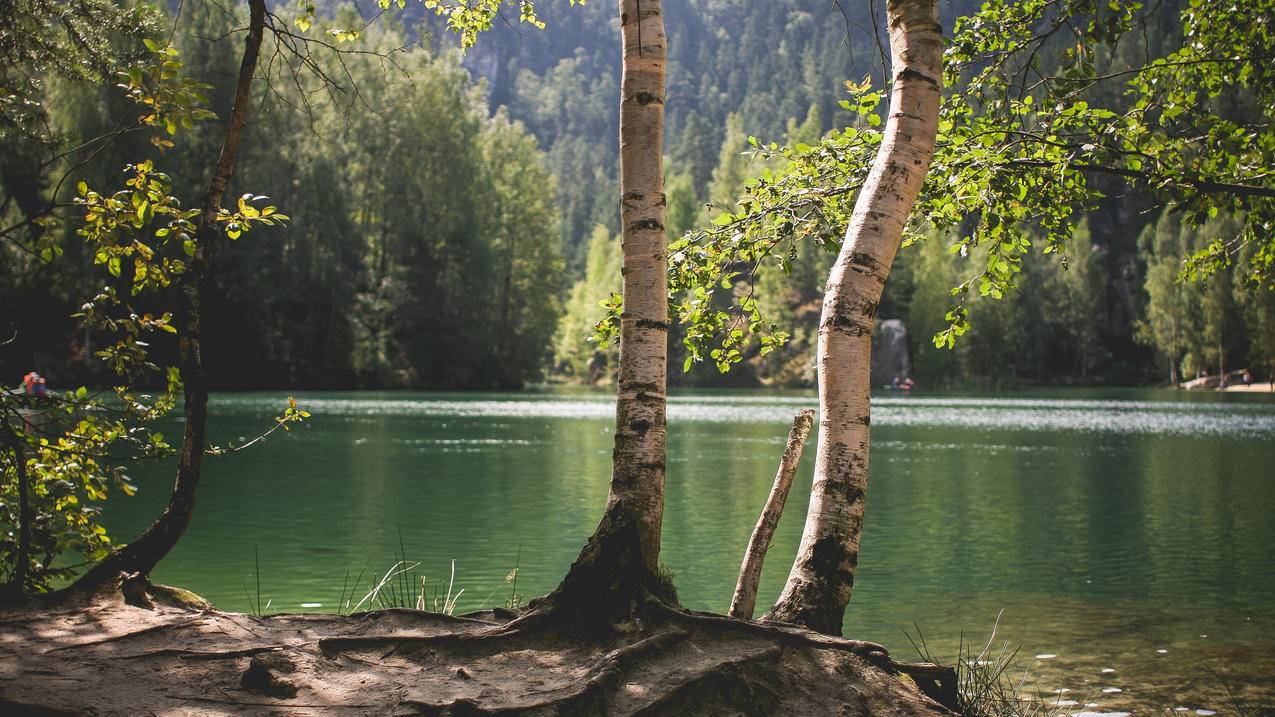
624 550
745 598
822 577
142 554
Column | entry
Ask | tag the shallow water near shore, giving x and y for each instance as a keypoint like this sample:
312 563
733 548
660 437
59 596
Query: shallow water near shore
1126 538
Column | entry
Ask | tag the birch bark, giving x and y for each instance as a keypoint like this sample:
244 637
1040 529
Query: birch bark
822 577
624 551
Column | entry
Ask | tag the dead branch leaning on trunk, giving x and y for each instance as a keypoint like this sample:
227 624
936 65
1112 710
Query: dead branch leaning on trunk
745 599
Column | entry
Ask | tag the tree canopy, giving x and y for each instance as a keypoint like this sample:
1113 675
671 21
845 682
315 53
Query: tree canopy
1030 127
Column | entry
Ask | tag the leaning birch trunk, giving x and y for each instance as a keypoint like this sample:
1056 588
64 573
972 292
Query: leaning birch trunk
621 560
745 598
143 554
819 585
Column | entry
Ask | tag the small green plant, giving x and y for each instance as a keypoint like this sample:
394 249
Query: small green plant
402 587
255 604
515 600
384 592
984 685
665 582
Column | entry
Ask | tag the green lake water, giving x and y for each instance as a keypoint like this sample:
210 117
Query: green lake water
1132 531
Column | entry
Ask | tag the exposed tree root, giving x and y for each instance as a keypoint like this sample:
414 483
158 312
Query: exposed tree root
588 699
113 658
728 683
274 706
203 654
781 631
129 635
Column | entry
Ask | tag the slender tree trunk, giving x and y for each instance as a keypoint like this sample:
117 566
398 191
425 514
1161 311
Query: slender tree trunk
745 598
819 585
622 556
141 555
506 329
18 579
1221 365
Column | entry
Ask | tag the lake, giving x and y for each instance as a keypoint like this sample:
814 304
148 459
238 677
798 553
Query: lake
1131 531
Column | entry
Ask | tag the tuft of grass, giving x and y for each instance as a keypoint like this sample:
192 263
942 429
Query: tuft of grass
402 586
255 605
985 686
385 592
665 583
515 600
1239 706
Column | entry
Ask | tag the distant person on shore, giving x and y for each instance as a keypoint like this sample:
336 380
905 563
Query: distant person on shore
1247 377
33 385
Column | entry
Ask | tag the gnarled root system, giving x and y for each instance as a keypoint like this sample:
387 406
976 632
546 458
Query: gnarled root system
162 655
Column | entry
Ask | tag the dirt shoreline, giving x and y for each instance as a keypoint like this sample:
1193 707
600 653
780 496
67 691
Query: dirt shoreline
1267 387
183 658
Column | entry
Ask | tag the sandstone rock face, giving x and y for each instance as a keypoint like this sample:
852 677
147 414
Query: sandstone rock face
890 357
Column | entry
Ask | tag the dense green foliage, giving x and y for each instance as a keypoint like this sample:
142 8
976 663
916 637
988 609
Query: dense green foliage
61 453
406 192
1049 104
575 347
410 188
136 244
1202 327
446 233
120 254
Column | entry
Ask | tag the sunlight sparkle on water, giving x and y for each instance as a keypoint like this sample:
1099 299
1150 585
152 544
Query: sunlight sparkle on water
1119 416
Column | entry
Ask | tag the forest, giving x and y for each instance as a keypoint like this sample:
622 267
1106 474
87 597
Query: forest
356 277
393 221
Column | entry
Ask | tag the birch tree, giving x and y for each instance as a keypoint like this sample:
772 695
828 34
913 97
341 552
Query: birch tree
1012 161
819 585
621 559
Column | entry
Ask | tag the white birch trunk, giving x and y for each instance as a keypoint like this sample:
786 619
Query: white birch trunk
621 560
637 481
821 579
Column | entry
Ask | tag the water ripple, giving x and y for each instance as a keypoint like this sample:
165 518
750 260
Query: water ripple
1028 414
